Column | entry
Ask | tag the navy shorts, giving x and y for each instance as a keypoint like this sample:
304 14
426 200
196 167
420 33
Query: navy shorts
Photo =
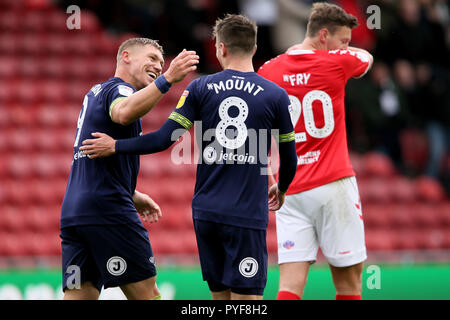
232 257
106 255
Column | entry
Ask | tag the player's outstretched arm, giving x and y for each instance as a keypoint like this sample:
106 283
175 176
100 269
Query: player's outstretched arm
162 139
141 102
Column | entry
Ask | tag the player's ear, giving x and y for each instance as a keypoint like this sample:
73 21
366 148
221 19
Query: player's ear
125 56
323 34
223 49
254 49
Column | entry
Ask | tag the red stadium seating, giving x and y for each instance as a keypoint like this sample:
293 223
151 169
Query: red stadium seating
376 216
429 189
402 190
272 242
445 213
378 164
426 216
406 239
431 239
12 219
379 240
40 101
401 216
12 244
374 190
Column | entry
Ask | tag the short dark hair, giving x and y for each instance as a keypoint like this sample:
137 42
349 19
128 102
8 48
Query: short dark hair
237 32
330 16
138 41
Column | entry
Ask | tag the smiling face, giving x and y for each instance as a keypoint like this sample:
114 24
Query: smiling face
144 63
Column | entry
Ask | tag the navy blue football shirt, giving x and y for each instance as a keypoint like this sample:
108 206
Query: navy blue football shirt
99 191
235 113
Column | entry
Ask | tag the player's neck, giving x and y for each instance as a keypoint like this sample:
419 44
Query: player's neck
125 76
239 64
311 44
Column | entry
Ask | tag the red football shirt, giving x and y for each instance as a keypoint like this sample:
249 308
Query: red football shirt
315 82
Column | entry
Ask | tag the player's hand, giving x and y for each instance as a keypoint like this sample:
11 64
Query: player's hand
146 207
184 62
276 198
103 146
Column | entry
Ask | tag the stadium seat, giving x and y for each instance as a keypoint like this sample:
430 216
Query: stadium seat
402 190
53 243
78 68
76 91
414 149
374 190
20 167
357 162
8 68
30 45
36 218
54 91
22 118
12 244
34 243
379 240
406 239
376 216
426 215
272 242
431 239
56 22
33 22
54 68
377 164
48 116
445 213
19 193
10 23
41 192
429 189
176 217
13 219
167 242
80 44
401 217
447 238
56 45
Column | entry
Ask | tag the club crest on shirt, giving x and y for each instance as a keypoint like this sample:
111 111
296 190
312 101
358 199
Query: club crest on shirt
125 90
182 99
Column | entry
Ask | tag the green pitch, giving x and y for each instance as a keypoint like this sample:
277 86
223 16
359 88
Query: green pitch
383 281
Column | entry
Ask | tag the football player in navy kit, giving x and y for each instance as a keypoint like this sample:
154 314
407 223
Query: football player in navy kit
230 204
103 238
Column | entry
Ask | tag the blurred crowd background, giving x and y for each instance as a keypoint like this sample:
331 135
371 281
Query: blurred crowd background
397 115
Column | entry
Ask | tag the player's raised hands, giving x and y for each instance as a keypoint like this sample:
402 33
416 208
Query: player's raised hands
276 198
147 208
103 146
185 62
